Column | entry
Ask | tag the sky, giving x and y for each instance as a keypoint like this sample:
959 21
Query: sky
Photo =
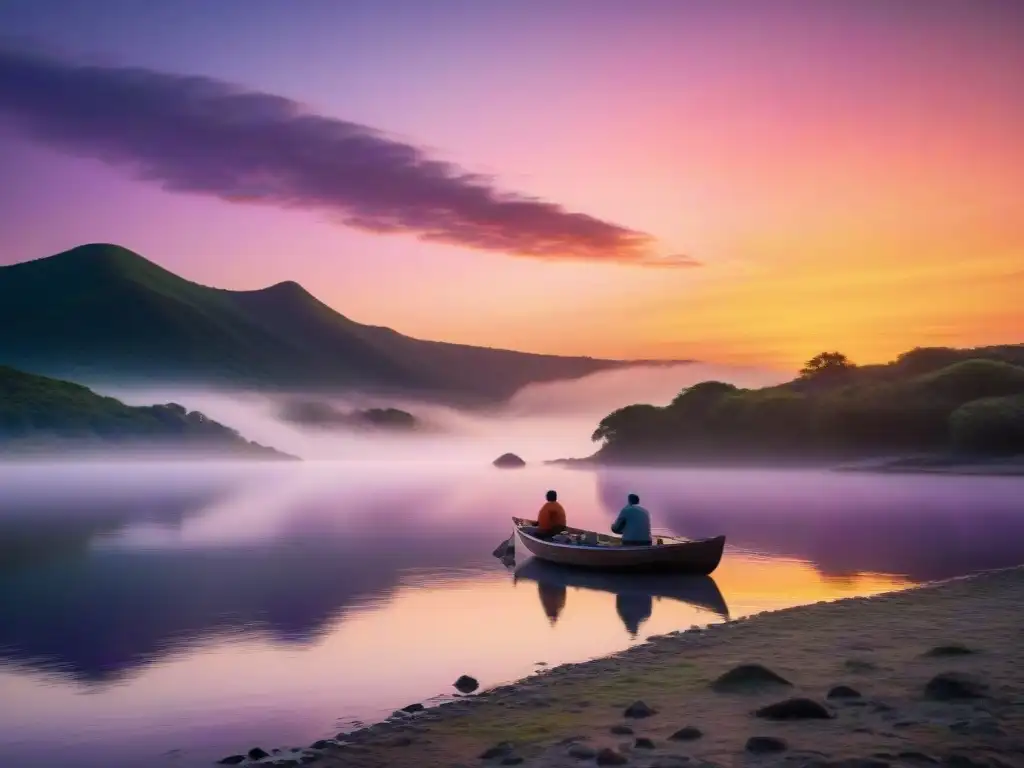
742 182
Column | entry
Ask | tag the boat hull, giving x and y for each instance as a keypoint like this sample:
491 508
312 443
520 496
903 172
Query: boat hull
688 557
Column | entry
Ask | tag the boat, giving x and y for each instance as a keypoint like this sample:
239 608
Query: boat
588 549
699 591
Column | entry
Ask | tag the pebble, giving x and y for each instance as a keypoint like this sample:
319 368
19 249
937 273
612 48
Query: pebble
502 749
843 692
761 745
639 709
948 686
794 709
621 730
689 733
609 756
747 676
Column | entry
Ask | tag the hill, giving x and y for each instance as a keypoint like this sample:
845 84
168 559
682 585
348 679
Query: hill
100 312
39 414
966 403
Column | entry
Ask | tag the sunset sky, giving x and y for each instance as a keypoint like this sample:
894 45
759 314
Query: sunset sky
742 182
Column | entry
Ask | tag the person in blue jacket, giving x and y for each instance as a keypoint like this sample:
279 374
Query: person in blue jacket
633 523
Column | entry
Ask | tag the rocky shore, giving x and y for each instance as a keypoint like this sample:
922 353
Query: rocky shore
925 677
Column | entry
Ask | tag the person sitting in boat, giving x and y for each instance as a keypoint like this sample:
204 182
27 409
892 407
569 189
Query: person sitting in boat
633 523
550 519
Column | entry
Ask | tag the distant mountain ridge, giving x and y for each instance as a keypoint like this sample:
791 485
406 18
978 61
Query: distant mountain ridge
44 416
101 311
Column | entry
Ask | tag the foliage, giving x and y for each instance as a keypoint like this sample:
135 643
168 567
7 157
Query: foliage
908 405
826 364
40 410
990 425
323 415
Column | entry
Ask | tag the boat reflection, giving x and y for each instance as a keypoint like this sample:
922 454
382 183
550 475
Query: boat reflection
634 593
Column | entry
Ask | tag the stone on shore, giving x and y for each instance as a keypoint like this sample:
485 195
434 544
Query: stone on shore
582 752
794 709
502 749
949 686
843 692
231 760
748 677
763 745
258 754
942 651
689 733
643 742
621 730
638 710
609 756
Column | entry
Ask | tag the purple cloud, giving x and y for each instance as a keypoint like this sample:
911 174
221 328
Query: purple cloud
203 136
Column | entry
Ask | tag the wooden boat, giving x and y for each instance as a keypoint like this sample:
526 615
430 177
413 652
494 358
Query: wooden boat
699 591
604 552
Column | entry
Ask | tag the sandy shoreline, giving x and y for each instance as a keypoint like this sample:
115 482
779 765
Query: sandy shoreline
883 647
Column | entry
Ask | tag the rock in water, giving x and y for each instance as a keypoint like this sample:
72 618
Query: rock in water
466 684
257 754
509 461
794 709
955 685
763 745
747 677
231 760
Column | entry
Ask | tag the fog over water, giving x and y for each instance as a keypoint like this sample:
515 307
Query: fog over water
172 613
542 422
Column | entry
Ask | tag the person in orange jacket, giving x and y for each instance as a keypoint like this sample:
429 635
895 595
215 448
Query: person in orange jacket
550 519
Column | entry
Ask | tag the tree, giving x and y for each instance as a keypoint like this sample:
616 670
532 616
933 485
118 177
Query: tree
632 421
991 425
826 363
703 395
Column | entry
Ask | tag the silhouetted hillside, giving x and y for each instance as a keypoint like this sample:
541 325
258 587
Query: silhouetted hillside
101 312
42 414
967 403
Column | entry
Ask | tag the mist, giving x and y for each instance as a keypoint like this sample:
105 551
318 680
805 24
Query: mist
540 423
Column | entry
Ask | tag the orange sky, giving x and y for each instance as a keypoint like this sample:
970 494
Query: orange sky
849 174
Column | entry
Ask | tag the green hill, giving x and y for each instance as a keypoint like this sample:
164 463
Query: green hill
101 312
966 403
39 414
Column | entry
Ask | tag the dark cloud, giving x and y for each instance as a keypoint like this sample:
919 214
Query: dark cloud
203 136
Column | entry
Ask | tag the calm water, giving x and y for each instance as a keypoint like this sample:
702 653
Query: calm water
171 614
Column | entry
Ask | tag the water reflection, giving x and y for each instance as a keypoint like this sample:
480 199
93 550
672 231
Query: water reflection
635 594
237 605
924 527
